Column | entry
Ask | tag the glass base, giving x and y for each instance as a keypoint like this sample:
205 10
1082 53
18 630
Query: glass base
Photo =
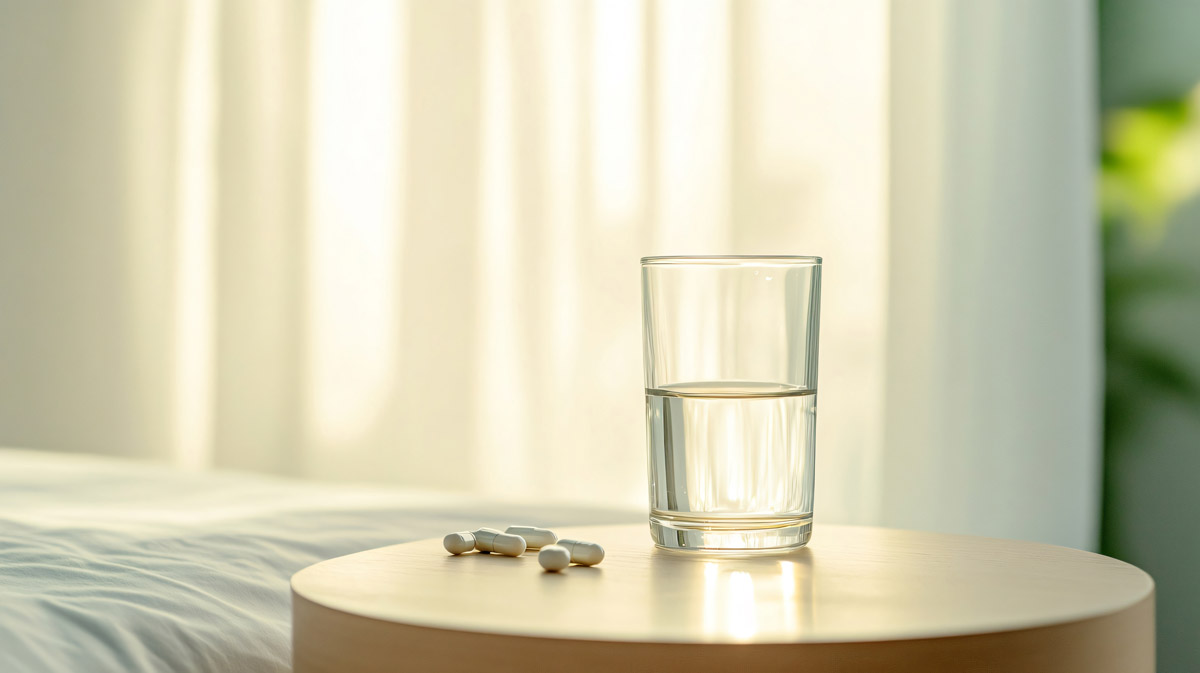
739 536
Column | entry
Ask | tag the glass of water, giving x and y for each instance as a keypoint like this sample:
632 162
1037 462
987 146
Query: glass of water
730 355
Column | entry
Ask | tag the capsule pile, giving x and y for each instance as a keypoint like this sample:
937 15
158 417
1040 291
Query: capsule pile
553 554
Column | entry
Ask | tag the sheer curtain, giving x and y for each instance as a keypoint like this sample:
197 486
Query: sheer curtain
399 241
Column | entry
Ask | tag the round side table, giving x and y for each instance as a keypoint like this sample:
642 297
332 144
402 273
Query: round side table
857 599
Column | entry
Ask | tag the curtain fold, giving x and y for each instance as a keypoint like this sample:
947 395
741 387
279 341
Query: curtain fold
994 355
399 241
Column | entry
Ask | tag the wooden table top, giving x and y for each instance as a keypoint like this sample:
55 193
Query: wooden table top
850 585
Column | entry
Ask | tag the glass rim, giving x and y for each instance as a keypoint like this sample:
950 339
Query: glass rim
731 260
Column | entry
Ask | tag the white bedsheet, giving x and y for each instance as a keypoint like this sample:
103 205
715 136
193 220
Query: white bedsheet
110 565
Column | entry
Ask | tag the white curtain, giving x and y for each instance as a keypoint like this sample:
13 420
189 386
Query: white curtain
398 241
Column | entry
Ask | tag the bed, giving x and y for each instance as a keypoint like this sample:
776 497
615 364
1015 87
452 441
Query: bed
115 565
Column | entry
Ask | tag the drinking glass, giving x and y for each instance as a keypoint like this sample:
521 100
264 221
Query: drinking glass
730 357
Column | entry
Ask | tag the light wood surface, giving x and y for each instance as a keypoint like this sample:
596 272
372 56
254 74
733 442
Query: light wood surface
855 599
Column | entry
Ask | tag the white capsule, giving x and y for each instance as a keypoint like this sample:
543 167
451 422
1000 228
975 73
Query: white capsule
509 545
459 543
490 534
535 538
488 540
554 557
583 553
